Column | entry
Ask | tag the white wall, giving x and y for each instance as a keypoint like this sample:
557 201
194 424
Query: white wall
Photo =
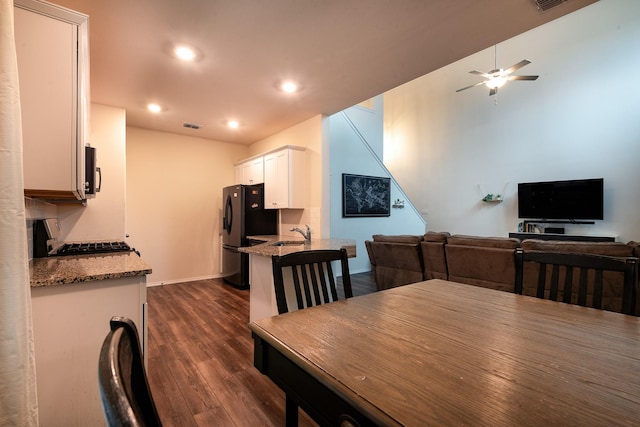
578 120
104 216
348 154
174 201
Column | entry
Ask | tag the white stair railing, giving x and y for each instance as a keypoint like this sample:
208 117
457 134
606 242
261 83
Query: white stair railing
377 158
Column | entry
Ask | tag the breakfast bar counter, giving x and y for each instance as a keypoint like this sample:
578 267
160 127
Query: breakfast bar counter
262 298
283 244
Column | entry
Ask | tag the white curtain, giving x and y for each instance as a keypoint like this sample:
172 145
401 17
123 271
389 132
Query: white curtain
18 402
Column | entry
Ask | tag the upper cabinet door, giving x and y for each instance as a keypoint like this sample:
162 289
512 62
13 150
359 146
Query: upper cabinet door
285 183
276 185
253 171
52 51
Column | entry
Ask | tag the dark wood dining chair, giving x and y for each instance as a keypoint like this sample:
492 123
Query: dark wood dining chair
589 270
124 390
314 284
312 276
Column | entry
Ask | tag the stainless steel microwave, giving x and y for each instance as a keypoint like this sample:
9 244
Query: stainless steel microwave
93 175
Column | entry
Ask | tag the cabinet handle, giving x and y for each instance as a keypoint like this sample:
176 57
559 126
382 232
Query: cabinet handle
99 180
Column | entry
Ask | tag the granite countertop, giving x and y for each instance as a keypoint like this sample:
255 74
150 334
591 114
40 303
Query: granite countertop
61 270
296 244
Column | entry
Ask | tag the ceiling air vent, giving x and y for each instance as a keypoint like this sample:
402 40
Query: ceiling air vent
191 125
544 5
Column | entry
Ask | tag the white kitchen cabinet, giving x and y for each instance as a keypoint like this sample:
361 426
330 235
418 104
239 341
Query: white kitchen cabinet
53 70
285 179
238 174
253 171
70 322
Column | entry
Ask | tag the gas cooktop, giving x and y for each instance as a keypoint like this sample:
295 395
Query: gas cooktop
92 248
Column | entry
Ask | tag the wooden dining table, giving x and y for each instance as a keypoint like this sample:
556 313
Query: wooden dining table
445 353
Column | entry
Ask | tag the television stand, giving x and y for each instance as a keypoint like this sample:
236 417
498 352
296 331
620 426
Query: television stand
528 225
563 237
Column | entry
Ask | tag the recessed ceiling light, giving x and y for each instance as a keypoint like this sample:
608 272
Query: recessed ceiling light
289 87
233 124
154 108
185 53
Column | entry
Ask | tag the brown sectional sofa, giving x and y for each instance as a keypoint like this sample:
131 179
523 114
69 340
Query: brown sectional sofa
482 261
488 262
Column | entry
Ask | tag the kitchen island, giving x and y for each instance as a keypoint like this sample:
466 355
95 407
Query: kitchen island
73 298
262 297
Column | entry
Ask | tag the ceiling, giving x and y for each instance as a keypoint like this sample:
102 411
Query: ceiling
341 52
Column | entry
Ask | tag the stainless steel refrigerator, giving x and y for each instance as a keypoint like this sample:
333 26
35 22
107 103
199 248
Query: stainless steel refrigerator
243 215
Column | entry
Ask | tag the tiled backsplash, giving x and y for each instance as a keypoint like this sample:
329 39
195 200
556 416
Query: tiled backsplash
290 218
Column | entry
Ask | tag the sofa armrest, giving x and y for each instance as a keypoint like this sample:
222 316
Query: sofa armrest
396 264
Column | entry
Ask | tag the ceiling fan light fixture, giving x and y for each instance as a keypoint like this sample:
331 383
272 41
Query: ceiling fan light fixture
498 77
496 82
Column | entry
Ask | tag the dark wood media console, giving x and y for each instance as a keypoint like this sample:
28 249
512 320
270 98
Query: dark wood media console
564 237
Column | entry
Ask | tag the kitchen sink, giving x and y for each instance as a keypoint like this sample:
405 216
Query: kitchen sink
287 243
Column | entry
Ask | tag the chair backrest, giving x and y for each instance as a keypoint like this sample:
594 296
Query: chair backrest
584 270
124 390
312 277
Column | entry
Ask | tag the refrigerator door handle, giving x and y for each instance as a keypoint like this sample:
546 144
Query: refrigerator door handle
228 216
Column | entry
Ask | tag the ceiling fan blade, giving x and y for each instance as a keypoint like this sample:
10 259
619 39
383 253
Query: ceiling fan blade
480 73
469 87
522 78
517 66
493 91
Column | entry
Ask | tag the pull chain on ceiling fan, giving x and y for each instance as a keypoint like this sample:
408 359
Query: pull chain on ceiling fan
497 77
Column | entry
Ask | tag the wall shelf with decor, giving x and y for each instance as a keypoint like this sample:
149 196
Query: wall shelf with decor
492 198
398 204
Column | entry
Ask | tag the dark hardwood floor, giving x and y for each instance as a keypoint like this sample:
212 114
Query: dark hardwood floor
200 365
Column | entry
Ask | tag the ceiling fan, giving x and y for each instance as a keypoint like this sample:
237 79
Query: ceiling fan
497 77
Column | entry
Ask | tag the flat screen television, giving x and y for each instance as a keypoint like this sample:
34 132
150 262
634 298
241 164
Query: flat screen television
562 200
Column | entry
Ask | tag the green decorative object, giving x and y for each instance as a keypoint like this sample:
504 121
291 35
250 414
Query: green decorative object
492 198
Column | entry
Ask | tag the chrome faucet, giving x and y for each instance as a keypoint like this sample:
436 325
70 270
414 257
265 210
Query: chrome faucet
307 235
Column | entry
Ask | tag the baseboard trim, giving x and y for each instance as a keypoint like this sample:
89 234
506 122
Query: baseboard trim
188 279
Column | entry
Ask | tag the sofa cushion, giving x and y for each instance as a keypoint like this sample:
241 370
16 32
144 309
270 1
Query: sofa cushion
487 242
435 236
434 259
399 238
617 249
488 262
